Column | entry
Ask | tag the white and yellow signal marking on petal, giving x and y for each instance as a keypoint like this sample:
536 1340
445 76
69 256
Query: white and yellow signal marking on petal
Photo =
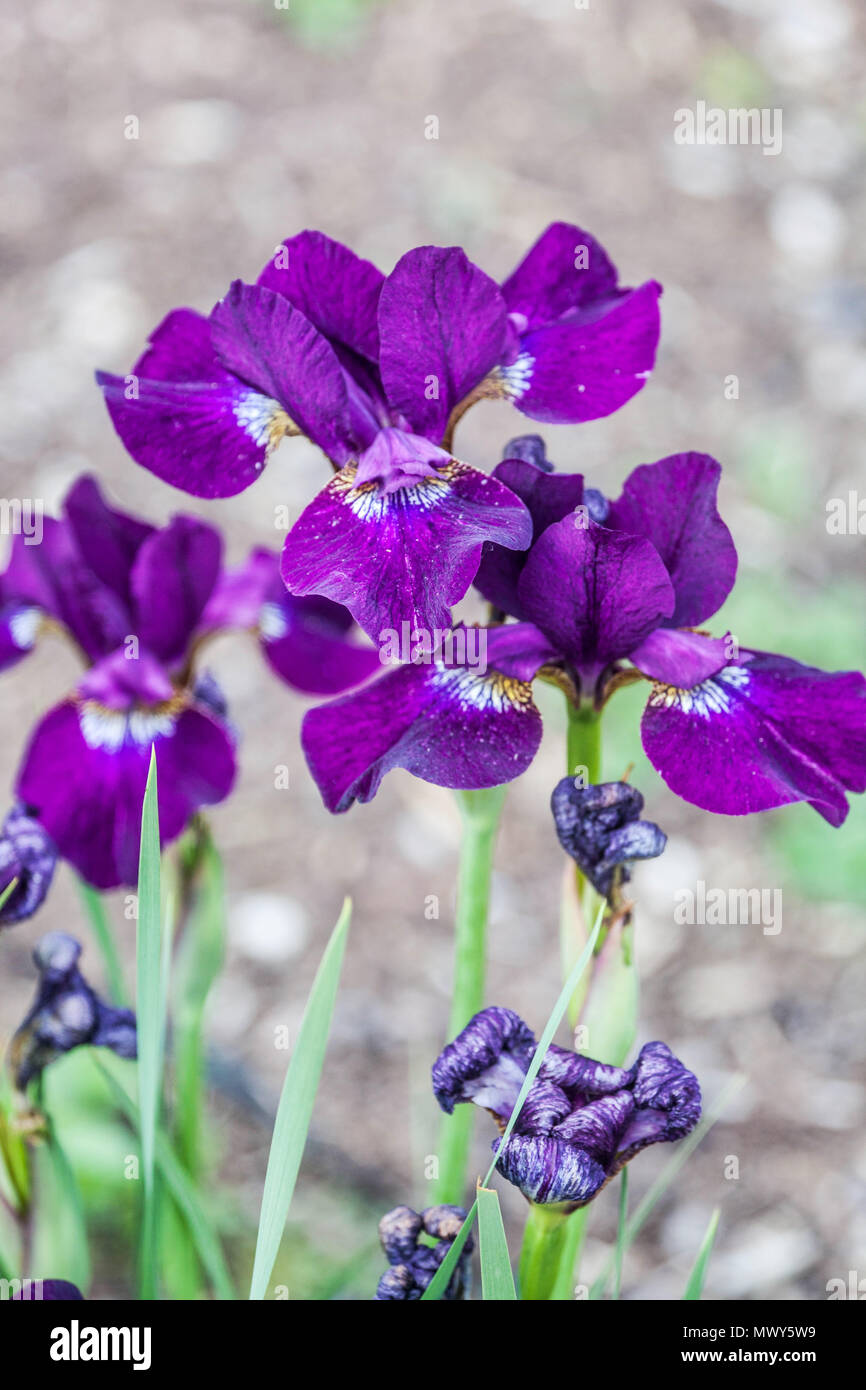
110 729
24 628
491 691
709 698
370 503
264 420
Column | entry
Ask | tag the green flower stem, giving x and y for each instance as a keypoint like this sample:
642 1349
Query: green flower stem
572 1245
580 902
480 812
541 1257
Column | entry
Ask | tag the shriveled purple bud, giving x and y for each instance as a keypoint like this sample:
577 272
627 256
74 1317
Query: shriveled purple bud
46 1291
28 854
531 448
413 1264
486 1063
600 827
66 1013
581 1121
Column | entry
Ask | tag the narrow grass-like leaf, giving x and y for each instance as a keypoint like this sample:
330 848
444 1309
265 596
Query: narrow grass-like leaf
296 1106
695 1286
104 936
150 1012
183 1191
685 1149
620 1233
7 892
497 1280
442 1277
60 1231
199 961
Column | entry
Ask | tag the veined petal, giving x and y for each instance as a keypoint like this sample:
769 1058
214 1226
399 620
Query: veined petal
266 342
760 734
673 504
595 593
454 726
565 269
486 1063
335 289
679 658
443 327
181 415
588 363
307 643
107 539
173 577
85 770
405 555
548 497
53 576
549 1170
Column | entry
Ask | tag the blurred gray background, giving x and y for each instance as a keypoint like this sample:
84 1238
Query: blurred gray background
257 121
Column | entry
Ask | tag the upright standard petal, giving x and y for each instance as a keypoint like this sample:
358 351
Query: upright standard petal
595 593
760 734
679 658
673 504
85 769
443 327
404 554
335 289
452 725
174 575
272 346
565 269
548 497
187 419
589 362
107 539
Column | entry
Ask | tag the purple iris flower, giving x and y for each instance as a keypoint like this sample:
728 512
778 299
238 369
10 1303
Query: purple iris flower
412 1264
581 1121
66 1014
600 827
600 603
376 371
138 602
28 857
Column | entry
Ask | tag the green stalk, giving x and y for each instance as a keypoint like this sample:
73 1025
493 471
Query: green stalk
580 902
480 812
544 1241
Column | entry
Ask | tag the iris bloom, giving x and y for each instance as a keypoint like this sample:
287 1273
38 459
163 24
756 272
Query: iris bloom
46 1291
581 1121
412 1264
376 371
609 593
137 602
66 1014
27 859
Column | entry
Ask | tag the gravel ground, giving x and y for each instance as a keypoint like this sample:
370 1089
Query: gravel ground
253 123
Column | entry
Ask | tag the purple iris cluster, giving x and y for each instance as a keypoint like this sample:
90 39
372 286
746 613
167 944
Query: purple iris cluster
586 591
581 1121
416 1243
137 603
